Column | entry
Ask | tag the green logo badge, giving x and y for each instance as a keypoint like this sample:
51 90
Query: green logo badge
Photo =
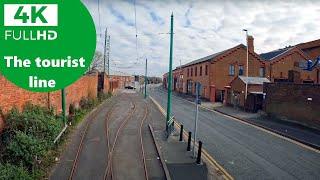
45 45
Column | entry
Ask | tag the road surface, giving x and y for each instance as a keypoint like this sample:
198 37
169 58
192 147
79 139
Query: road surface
244 151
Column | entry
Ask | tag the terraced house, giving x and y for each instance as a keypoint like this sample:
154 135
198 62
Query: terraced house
292 58
216 72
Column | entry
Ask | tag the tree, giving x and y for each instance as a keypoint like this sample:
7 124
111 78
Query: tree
97 62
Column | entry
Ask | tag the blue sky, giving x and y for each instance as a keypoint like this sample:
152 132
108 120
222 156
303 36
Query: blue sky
201 28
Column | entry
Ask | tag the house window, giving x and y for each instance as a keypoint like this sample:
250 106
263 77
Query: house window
191 72
200 70
195 71
231 70
262 72
241 70
206 70
188 72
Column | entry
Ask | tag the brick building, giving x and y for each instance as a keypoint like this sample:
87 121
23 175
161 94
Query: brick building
235 94
215 72
281 61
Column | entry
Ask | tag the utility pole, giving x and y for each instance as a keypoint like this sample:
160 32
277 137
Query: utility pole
247 67
145 80
170 77
180 77
105 51
108 44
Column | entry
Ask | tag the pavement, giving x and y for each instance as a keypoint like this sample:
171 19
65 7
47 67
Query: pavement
244 150
290 129
180 162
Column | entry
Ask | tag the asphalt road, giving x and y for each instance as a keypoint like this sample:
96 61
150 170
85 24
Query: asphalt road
244 151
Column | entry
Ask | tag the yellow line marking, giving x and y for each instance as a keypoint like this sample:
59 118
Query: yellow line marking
259 128
206 155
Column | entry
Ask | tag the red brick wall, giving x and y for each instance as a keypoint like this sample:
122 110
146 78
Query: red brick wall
13 96
106 84
238 86
220 69
1 123
87 87
279 68
291 101
122 80
203 78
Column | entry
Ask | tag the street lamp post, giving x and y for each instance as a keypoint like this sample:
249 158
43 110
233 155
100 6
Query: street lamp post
168 118
247 66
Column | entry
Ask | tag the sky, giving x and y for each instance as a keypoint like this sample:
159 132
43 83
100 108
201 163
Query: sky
201 28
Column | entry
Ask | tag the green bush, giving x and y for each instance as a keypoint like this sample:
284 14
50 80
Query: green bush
28 135
28 138
35 121
11 172
103 96
24 149
87 103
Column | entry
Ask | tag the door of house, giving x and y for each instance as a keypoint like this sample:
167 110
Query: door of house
189 87
175 84
236 99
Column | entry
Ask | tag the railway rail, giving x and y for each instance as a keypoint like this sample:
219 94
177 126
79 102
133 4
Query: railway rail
80 146
109 172
114 127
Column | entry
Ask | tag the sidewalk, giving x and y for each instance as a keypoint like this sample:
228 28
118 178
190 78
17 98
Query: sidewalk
180 163
291 130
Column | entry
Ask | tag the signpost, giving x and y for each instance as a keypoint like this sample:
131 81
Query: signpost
198 102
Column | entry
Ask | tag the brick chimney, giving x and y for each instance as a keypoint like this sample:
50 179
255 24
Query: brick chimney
250 41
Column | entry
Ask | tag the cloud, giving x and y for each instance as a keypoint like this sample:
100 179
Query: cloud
156 18
201 28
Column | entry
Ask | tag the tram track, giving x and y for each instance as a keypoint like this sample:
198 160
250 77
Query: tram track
109 170
83 136
124 141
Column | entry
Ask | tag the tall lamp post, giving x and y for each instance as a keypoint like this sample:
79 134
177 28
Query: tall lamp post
170 77
247 66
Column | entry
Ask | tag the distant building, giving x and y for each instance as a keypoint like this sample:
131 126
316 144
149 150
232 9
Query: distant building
235 93
292 58
216 72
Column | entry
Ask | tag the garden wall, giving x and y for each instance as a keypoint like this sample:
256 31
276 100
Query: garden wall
13 96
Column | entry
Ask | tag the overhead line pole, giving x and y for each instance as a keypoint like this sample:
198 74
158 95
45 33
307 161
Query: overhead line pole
105 50
170 77
109 55
145 80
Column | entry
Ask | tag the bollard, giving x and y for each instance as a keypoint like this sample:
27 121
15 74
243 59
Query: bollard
199 153
189 142
181 132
